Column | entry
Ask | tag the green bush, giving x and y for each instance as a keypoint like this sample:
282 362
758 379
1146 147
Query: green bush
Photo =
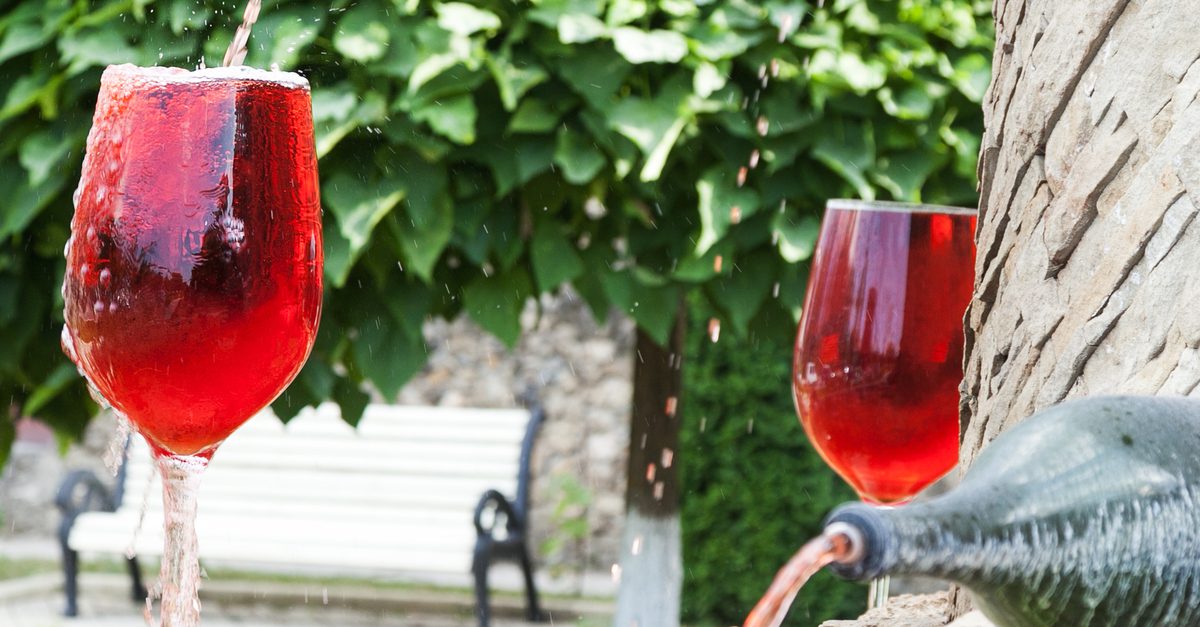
753 488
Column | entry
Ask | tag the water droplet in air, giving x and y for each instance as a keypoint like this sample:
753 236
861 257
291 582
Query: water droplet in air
718 261
83 271
735 214
651 471
785 27
741 175
754 158
714 330
668 457
616 573
750 426
106 279
658 491
99 307
775 290
112 307
672 403
703 423
763 126
636 549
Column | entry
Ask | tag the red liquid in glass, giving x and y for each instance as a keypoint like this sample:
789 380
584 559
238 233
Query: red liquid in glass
879 352
193 284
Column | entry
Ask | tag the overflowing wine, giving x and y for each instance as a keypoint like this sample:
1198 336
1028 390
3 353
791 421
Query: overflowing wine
193 284
1085 514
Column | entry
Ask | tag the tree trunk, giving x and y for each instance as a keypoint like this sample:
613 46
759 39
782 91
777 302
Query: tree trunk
1090 182
651 568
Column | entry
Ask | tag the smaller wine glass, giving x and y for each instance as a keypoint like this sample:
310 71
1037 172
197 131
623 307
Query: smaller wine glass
879 349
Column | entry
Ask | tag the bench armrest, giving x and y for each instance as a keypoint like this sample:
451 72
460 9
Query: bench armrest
494 500
82 491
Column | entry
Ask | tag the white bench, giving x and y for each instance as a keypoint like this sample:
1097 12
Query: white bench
392 498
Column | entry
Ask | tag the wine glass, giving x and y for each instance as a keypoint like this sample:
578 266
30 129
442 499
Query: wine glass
193 281
879 349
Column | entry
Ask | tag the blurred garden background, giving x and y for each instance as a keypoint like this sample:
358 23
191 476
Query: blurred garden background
627 162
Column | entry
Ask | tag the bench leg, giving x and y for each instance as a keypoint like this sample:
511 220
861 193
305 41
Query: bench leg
533 612
139 592
70 580
479 566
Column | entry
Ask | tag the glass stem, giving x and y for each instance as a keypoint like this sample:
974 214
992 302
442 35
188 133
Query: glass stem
877 592
179 579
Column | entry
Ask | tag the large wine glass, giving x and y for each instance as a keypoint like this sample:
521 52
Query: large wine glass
193 282
879 350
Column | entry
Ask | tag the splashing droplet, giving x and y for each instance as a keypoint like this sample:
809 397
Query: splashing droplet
672 403
741 175
636 548
714 330
735 215
668 457
754 156
763 126
651 472
718 261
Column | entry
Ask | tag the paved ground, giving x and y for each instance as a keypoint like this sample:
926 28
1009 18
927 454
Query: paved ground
36 601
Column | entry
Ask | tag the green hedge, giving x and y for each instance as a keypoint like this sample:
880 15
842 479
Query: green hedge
753 488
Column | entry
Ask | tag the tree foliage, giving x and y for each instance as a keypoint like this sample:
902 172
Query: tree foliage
474 154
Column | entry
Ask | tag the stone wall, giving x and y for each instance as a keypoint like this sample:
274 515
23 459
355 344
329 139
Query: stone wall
582 371
584 375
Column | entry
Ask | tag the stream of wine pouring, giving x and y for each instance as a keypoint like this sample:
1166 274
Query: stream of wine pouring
236 53
838 543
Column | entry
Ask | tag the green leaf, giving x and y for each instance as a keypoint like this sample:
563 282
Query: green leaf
577 156
913 102
534 116
388 356
708 79
359 205
594 72
514 80
580 28
549 12
91 48
361 36
554 259
656 46
742 293
625 11
653 307
463 19
338 257
972 73
797 236
453 118
848 148
721 203
424 245
496 302
351 399
715 41
654 125
23 37
49 388
23 202
847 69
903 173
46 150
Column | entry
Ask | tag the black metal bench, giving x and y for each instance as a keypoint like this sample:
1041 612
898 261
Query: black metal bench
389 498
502 530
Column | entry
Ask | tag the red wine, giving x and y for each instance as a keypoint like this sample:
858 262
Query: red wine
879 351
193 286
